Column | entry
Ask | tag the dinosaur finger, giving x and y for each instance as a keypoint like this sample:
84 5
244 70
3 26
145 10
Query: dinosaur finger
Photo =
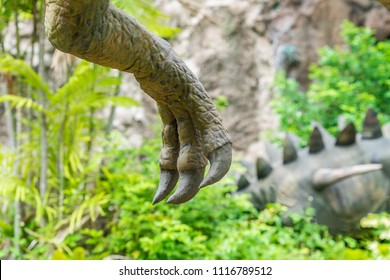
188 186
216 142
220 161
191 162
191 154
169 154
168 180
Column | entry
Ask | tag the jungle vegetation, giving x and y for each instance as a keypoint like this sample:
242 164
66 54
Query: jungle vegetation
346 82
72 188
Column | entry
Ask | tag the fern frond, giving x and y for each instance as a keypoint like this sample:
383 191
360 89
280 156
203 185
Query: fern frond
10 184
79 83
22 102
102 101
19 68
87 79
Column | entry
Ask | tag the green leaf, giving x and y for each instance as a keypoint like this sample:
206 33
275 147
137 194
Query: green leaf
145 12
18 67
6 229
22 102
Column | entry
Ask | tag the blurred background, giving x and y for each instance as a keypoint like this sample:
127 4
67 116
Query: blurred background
80 143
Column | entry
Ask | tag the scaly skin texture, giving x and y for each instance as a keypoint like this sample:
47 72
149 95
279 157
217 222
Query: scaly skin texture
192 127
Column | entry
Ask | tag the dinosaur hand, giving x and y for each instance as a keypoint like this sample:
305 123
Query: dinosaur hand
193 133
184 156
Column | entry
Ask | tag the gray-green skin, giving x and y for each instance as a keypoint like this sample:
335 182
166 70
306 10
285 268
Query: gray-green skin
192 127
339 204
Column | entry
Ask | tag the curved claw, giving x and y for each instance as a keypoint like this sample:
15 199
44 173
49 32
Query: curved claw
168 180
220 161
188 186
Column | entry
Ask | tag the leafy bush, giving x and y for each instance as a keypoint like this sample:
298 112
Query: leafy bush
346 81
216 224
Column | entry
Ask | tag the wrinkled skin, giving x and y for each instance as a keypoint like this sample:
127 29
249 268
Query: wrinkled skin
193 133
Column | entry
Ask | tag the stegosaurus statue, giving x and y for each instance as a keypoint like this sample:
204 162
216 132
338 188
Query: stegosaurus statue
343 179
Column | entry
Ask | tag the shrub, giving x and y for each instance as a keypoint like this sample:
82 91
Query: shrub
216 224
345 81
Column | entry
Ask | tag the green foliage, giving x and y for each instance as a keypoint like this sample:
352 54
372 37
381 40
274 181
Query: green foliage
148 15
292 106
344 82
72 195
97 198
9 8
215 225
380 224
221 102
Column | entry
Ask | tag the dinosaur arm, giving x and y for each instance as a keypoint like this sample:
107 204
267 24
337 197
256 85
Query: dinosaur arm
99 32
193 131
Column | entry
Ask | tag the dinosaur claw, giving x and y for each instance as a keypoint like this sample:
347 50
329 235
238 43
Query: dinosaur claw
168 180
188 186
220 161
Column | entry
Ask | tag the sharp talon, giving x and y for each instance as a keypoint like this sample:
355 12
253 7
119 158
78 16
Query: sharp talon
220 161
168 180
188 186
